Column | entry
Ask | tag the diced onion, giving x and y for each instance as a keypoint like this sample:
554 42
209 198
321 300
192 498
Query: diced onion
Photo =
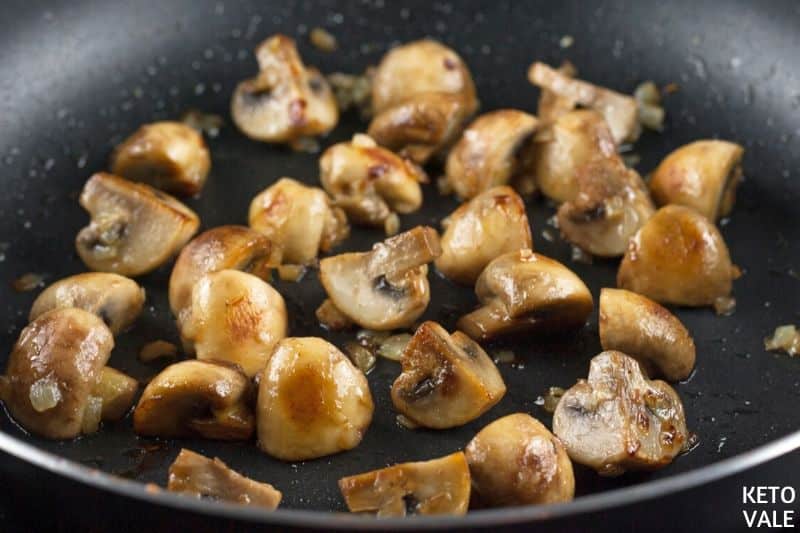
786 338
44 394
725 305
361 356
393 347
552 397
291 273
91 415
647 93
323 40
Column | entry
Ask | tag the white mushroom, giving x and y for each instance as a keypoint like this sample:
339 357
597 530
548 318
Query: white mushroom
551 104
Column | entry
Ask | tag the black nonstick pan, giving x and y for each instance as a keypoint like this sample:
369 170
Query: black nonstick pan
78 76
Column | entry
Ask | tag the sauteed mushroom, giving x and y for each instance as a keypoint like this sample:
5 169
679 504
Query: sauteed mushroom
298 220
447 380
551 104
386 288
235 317
115 299
196 398
168 155
286 100
489 225
526 291
638 326
678 257
438 486
515 460
58 385
134 228
703 175
489 152
619 420
312 401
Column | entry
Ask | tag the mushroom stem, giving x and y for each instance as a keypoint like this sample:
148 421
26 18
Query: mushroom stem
397 255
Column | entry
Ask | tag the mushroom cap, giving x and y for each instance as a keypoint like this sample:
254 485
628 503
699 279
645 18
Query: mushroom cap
515 460
134 228
196 398
638 326
438 486
619 420
678 257
170 156
286 100
53 368
702 174
299 220
386 288
312 401
447 380
235 317
488 153
115 299
490 225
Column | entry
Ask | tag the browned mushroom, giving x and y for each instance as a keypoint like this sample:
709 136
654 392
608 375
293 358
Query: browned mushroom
134 228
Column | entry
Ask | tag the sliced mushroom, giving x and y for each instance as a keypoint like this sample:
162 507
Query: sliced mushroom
489 225
235 317
526 291
57 383
678 257
299 220
619 110
703 175
618 420
551 104
611 205
134 229
515 460
286 100
369 182
638 326
386 288
194 474
447 380
196 398
116 299
435 487
312 401
490 152
170 156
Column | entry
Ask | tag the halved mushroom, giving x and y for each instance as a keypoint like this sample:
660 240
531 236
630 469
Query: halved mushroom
312 401
619 110
490 153
369 182
611 205
678 257
435 487
639 327
619 420
489 225
134 228
299 220
235 317
196 398
703 175
551 104
286 100
194 474
116 299
170 156
386 288
447 380
526 291
515 460
57 382
566 145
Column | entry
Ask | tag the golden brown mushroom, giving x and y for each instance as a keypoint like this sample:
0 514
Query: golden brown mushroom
286 100
312 401
170 156
134 228
435 487
703 175
525 291
678 257
447 380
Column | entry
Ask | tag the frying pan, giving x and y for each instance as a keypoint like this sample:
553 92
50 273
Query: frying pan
77 76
